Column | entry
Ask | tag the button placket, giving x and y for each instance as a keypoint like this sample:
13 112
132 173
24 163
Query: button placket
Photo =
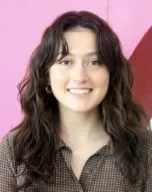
87 172
90 170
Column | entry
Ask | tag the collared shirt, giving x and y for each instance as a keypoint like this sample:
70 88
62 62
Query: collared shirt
99 174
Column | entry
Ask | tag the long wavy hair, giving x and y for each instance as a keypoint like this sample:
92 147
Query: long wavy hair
123 119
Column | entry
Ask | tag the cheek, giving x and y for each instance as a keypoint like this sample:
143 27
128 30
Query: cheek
102 80
55 75
57 78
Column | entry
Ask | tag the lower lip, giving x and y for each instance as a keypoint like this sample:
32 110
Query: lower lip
80 95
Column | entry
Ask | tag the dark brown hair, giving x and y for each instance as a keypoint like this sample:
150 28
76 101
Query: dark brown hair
123 119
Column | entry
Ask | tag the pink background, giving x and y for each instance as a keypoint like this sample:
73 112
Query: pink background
21 27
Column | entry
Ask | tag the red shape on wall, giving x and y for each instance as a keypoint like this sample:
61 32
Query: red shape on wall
141 60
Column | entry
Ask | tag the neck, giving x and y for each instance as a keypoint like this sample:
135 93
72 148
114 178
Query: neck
81 127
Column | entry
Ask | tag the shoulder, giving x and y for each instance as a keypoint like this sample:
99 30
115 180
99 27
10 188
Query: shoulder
7 165
147 149
7 140
6 147
148 140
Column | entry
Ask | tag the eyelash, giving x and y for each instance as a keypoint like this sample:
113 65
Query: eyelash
68 61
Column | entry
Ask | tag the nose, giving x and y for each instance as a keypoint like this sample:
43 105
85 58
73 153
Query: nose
79 74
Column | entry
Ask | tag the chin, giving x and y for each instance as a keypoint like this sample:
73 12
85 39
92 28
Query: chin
82 110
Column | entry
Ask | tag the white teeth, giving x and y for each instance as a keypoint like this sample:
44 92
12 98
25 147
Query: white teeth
79 91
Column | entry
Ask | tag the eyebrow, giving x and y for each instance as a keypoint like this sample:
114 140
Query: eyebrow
88 54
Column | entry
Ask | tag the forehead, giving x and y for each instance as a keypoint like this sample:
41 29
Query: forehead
80 41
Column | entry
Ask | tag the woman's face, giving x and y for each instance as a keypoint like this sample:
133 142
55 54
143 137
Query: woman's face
78 81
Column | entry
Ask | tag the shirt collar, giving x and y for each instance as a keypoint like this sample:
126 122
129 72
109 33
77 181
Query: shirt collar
60 143
107 150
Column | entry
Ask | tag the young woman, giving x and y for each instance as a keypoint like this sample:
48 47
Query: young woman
82 129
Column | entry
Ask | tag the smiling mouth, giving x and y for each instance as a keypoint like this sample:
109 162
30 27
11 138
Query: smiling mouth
79 91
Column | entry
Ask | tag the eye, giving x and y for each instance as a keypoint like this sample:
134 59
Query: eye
94 62
64 62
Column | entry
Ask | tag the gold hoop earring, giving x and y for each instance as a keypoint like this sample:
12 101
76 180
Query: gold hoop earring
48 89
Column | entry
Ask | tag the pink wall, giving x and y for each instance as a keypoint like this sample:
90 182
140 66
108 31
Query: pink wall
22 24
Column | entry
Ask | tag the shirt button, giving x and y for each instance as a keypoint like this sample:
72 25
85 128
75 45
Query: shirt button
88 171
